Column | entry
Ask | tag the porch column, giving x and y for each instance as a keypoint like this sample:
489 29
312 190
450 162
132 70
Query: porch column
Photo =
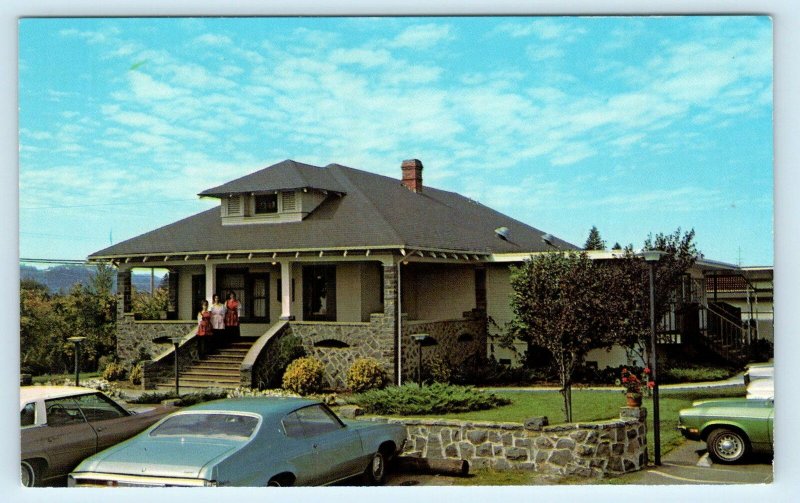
172 279
211 281
286 290
480 289
124 289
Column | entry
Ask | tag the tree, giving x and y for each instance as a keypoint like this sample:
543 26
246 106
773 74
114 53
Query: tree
631 286
617 246
46 321
594 242
560 303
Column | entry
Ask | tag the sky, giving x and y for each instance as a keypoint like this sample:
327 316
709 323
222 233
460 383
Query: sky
635 125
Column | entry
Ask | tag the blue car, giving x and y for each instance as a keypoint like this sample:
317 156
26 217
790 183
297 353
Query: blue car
247 442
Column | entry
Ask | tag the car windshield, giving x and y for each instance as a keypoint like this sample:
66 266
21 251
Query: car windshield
207 425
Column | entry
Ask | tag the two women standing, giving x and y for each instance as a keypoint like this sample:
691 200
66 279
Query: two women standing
218 319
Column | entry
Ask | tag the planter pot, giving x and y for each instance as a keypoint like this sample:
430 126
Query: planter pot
634 399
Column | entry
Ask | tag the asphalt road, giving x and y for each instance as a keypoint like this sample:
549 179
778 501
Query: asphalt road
689 464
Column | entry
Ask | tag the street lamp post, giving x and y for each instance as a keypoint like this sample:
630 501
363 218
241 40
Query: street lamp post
176 342
77 341
420 338
652 258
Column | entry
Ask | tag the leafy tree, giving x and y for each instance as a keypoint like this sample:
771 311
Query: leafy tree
560 303
47 320
594 242
42 331
632 288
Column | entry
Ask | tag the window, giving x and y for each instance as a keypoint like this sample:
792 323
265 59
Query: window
63 411
266 203
317 420
288 201
27 416
319 293
218 425
97 407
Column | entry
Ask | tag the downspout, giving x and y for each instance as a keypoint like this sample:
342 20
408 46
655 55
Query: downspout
399 329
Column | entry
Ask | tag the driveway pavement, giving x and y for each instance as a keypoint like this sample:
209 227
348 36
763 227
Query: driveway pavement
689 464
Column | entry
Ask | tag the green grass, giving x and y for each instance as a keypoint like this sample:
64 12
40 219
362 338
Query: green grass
62 377
594 405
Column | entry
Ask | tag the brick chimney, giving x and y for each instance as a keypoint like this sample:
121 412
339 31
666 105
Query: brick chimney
412 174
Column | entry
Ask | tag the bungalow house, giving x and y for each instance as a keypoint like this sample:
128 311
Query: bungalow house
352 263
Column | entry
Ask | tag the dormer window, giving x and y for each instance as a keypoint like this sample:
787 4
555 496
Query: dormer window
266 203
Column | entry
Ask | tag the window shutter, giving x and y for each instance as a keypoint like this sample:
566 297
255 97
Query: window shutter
288 201
234 205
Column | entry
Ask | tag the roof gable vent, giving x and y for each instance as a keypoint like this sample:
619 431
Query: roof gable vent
233 205
288 201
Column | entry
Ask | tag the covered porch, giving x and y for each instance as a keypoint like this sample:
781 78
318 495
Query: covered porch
342 304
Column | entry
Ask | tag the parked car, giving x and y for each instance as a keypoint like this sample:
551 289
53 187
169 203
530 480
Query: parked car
247 442
62 425
732 428
758 371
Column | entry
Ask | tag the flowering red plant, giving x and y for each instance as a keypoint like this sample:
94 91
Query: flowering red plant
633 384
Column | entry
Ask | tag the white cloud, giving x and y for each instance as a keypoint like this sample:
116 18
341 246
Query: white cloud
146 88
212 40
423 36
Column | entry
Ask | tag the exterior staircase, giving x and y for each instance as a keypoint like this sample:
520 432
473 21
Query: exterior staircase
220 368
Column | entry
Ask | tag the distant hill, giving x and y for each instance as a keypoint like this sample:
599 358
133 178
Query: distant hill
61 278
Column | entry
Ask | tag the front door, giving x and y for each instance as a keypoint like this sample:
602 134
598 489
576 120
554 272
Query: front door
252 291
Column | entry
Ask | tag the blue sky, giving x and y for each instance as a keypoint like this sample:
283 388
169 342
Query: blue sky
632 124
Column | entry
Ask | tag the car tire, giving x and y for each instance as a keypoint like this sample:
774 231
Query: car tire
280 481
375 474
28 475
726 445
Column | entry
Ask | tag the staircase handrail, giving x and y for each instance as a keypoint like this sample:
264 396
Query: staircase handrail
252 354
721 313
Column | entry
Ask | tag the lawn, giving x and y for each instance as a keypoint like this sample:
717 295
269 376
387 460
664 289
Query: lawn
595 405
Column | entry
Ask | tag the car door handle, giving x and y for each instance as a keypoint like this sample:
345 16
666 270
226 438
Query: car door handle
101 428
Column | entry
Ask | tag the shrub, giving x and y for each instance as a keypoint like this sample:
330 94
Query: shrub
365 374
277 358
440 369
304 376
693 374
137 374
185 400
150 307
438 398
114 371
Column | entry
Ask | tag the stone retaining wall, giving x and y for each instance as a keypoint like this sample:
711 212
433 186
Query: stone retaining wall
594 449
456 341
363 340
135 338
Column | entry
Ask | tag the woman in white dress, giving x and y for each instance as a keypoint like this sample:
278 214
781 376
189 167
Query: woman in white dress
217 316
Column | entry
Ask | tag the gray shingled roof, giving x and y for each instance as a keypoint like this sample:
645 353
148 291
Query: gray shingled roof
363 210
286 175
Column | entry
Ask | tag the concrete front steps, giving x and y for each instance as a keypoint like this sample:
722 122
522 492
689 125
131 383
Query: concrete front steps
218 369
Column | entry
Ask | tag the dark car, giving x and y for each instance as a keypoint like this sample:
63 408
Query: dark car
247 442
62 425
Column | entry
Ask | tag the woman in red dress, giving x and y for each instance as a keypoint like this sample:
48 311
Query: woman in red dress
204 330
232 307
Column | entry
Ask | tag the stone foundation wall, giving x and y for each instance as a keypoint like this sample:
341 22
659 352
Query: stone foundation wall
591 450
456 341
135 338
